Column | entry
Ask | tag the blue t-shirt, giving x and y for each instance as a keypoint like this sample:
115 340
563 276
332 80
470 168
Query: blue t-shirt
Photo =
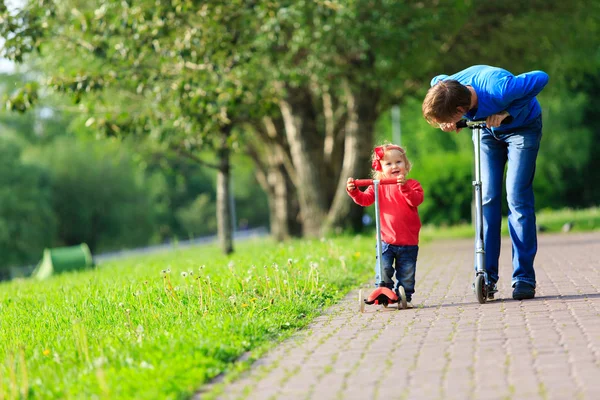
498 90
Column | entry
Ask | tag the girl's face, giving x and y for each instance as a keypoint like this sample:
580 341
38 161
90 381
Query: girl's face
392 163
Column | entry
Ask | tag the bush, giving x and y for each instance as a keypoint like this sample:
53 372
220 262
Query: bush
100 197
27 221
447 183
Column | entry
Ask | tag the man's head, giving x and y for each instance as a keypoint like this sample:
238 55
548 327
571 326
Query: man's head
446 102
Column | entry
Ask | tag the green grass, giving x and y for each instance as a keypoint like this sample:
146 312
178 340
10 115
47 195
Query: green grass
160 326
550 221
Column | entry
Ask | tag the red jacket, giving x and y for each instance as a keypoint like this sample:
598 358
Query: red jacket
400 222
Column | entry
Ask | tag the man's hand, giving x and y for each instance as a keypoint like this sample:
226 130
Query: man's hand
449 127
350 186
495 120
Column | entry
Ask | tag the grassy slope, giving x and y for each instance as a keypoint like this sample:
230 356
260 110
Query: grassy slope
112 331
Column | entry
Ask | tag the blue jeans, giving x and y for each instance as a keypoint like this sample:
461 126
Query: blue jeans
518 150
405 265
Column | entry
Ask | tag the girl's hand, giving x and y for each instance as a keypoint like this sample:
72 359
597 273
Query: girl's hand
401 180
350 186
495 120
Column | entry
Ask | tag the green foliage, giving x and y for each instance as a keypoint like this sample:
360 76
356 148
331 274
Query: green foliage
548 221
446 180
27 221
98 195
198 218
108 332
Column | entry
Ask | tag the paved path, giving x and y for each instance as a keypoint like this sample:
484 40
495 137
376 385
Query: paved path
450 346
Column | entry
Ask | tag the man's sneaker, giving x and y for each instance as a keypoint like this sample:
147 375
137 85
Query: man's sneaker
523 290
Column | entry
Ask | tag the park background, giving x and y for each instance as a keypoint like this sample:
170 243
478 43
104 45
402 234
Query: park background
127 125
134 123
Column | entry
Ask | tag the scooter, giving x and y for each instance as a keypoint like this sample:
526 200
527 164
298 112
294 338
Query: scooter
382 295
481 283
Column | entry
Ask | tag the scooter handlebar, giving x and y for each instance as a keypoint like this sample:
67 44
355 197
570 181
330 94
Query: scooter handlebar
465 123
369 182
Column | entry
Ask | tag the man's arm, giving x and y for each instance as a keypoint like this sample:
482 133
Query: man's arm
523 87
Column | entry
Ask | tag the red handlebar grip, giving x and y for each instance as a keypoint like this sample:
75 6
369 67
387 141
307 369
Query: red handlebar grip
369 182
388 181
363 182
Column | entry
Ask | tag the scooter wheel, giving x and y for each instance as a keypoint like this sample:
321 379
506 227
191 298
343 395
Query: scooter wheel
480 289
402 300
361 301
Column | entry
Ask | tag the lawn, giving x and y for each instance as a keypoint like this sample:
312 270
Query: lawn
548 221
160 326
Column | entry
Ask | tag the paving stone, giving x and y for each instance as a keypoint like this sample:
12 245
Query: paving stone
450 346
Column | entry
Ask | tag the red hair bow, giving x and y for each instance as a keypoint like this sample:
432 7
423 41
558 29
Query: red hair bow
377 156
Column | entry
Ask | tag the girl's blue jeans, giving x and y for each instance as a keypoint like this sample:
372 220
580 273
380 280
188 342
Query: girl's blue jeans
401 260
517 151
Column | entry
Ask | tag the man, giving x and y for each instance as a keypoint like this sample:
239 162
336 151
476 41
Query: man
493 94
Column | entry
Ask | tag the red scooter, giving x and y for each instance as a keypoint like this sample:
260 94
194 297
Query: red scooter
382 295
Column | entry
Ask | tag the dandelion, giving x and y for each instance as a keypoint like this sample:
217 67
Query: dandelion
231 264
191 272
168 270
163 272
99 362
184 274
244 305
290 262
121 305
145 365
46 352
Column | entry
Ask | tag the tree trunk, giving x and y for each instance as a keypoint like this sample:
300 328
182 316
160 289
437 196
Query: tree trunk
362 113
224 212
306 148
276 175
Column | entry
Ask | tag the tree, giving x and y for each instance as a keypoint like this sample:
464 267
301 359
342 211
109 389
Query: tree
99 197
27 221
171 71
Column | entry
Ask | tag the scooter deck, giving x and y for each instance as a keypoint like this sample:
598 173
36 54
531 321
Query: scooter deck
382 295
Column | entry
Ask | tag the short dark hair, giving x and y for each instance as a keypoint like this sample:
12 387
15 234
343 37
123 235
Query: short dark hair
443 99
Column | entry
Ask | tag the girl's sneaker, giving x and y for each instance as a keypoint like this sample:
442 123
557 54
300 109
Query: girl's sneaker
409 305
